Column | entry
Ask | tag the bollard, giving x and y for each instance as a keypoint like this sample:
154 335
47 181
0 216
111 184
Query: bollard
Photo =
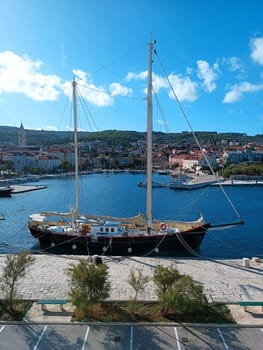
245 262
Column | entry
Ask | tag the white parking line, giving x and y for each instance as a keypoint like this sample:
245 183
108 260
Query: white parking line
177 339
39 339
131 338
223 339
85 339
2 328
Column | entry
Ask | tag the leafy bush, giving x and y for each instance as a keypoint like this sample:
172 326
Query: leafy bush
178 294
89 284
164 278
185 296
14 270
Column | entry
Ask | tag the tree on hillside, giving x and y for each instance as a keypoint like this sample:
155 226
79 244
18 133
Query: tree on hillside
14 270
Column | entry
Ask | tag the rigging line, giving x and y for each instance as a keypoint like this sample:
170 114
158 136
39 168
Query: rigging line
194 135
116 60
184 114
61 256
230 202
186 245
157 246
18 232
107 247
87 111
221 241
65 108
99 90
89 119
161 112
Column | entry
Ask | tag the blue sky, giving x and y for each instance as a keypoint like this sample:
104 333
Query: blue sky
212 51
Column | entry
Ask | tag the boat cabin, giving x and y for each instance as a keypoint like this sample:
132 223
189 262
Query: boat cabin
108 228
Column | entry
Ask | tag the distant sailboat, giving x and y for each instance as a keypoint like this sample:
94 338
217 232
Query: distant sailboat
155 184
138 235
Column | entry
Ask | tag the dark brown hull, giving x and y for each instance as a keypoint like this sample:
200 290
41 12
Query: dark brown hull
120 245
5 192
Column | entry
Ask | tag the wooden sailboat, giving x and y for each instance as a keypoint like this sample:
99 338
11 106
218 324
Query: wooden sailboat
139 235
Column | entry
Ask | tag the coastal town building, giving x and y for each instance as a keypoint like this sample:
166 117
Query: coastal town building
247 155
98 154
191 160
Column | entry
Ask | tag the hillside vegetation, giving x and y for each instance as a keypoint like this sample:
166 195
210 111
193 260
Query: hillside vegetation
9 136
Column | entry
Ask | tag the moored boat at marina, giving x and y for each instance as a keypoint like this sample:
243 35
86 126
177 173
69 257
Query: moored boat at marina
98 234
192 183
155 184
5 191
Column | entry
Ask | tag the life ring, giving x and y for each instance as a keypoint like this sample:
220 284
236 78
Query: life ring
163 226
86 228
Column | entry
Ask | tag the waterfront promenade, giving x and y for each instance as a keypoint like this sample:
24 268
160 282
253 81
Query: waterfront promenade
226 281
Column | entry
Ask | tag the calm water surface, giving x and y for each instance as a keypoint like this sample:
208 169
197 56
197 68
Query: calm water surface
119 195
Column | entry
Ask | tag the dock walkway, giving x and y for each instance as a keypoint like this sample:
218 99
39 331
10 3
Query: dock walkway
239 183
26 188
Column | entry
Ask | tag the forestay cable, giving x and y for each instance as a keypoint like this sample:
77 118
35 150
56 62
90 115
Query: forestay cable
194 135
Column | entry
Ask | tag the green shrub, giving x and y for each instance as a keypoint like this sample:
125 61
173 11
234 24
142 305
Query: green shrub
89 284
164 278
184 296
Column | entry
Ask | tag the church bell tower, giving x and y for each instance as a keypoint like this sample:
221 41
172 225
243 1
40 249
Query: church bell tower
21 136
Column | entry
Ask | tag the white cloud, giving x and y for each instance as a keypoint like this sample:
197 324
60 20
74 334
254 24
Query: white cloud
256 46
159 83
118 89
96 95
70 128
50 128
20 74
236 92
80 75
184 88
136 76
235 64
207 74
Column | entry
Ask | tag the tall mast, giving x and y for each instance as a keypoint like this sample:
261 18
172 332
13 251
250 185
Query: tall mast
149 138
75 115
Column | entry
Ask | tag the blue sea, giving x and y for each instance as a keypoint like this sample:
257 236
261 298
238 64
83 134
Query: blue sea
119 195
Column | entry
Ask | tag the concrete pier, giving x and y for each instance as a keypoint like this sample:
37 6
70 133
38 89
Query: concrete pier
26 188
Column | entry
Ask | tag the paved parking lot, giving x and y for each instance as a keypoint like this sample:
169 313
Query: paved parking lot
128 337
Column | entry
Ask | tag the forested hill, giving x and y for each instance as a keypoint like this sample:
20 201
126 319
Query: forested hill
9 136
